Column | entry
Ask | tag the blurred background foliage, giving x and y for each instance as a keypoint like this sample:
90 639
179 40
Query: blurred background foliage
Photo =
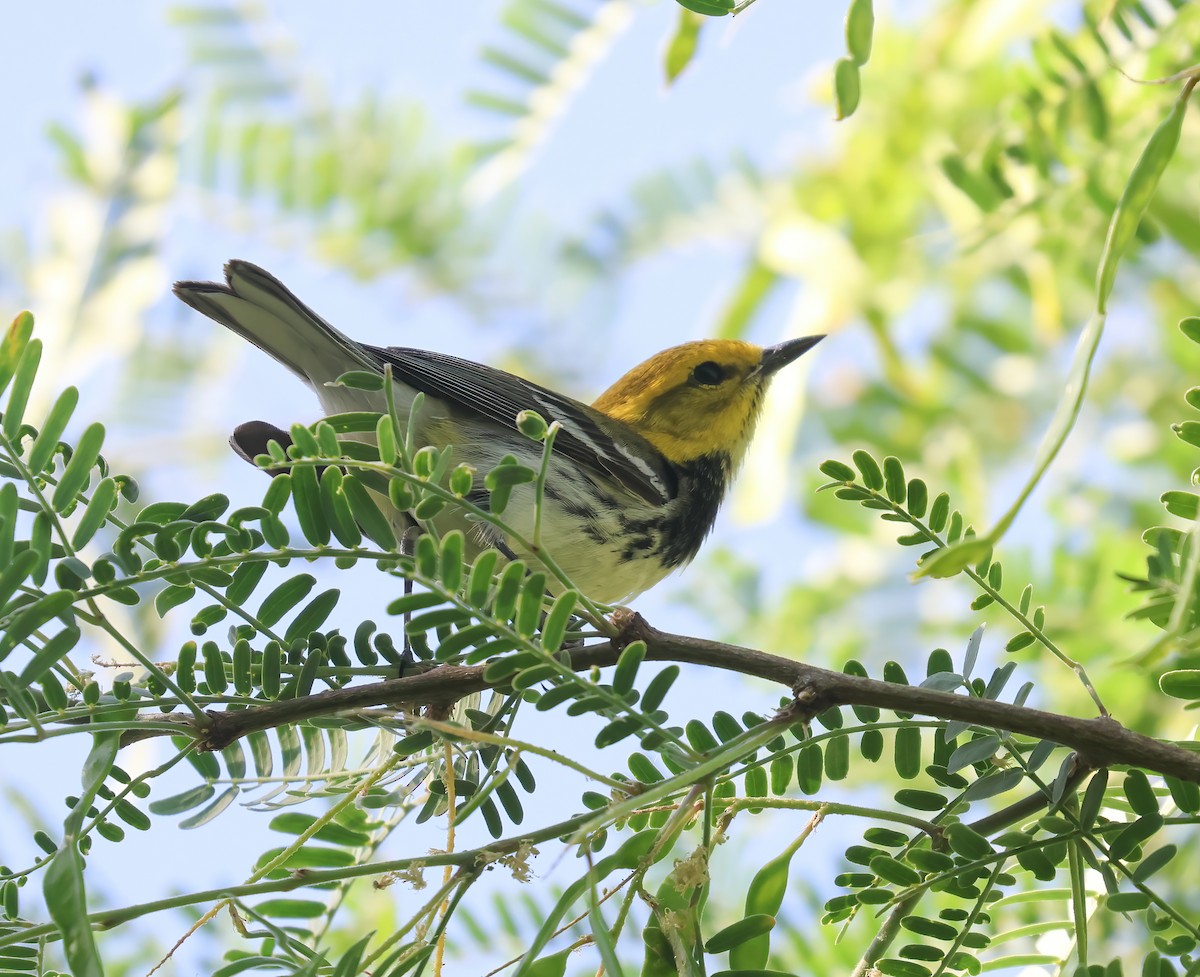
946 235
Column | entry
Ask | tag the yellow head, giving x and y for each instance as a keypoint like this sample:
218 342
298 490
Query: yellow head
700 398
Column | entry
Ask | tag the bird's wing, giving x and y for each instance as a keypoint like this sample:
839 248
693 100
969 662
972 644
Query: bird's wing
594 441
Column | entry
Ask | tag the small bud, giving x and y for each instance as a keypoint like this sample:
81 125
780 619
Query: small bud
359 380
425 461
532 425
461 480
400 494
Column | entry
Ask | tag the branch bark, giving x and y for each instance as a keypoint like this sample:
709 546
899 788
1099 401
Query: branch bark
1099 741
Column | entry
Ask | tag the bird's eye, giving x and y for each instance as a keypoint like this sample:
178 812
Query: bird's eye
708 374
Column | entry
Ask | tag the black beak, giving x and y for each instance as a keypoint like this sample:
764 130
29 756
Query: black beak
776 357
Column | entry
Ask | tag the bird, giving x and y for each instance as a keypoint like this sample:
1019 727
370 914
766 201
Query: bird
635 480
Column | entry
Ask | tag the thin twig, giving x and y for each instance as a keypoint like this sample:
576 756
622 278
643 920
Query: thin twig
1100 741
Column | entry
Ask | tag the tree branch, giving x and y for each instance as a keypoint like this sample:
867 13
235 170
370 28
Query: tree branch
1099 741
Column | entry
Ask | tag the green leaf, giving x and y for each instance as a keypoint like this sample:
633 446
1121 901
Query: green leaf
681 48
781 774
627 858
838 471
1136 196
870 745
939 512
202 817
837 758
336 509
504 604
1093 798
22 384
450 569
933 928
617 730
310 619
306 497
385 438
15 574
243 674
171 597
245 579
350 963
657 690
709 8
529 608
1188 431
9 506
1037 863
1181 683
417 601
179 803
53 605
358 380
78 470
501 480
953 559
48 655
1156 860
809 768
425 552
43 448
1186 505
908 752
554 630
628 664
887 837
1189 326
860 26
846 87
479 581
554 965
1134 834
1139 793
429 507
284 597
868 467
279 490
918 497
891 870
735 934
975 751
920 800
368 515
291 908
104 498
296 822
967 842
1127 902
214 668
1018 641
63 884
893 476
16 338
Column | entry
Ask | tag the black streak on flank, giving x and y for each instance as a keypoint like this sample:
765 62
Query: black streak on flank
682 526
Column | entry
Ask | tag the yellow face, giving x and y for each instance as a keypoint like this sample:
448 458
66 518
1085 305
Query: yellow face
694 399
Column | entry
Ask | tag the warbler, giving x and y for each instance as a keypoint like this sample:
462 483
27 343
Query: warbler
634 481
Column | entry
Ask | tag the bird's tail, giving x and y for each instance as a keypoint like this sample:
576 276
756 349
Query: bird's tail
260 308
